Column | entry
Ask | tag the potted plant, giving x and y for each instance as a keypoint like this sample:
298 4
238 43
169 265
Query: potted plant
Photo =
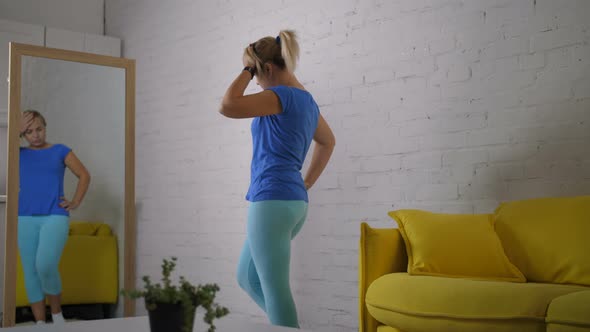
172 308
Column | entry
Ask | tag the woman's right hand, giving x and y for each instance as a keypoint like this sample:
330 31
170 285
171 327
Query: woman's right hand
25 121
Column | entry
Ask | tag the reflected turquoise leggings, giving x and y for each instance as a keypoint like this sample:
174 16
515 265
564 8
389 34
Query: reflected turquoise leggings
263 270
41 240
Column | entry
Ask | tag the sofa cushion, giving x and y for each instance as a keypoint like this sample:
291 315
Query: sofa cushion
569 312
454 245
547 239
425 303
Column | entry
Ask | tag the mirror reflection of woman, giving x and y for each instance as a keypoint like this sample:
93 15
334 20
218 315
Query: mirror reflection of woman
43 218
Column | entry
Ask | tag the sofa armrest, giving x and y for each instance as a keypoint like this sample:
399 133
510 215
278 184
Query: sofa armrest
382 251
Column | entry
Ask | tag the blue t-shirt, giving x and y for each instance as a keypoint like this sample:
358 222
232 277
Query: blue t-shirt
280 143
42 180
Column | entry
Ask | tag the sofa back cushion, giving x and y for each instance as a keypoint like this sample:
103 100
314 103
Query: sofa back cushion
454 245
548 239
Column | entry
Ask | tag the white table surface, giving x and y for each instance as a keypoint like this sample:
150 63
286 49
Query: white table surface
142 324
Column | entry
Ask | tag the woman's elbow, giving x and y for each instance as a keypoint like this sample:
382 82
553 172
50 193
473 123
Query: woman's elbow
226 109
333 141
223 111
330 142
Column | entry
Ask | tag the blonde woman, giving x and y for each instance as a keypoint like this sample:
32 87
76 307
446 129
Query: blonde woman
43 213
286 121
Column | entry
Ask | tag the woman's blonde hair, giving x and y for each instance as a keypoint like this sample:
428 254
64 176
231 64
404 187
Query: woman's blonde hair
283 51
36 114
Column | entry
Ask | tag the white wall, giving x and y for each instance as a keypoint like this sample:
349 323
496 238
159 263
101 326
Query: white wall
75 15
11 31
442 105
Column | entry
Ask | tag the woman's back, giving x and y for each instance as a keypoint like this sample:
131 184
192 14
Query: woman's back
280 144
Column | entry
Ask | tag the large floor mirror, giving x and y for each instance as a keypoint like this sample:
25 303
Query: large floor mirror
70 113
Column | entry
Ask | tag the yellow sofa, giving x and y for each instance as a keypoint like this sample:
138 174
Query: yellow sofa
88 267
547 239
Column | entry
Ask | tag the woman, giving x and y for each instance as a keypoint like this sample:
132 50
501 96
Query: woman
43 218
286 120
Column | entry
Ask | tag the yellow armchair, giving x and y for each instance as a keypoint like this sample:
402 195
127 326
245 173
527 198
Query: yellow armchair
88 267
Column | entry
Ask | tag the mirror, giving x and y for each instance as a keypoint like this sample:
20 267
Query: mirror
70 215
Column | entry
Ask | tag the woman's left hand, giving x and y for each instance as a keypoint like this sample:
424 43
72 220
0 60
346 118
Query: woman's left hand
68 205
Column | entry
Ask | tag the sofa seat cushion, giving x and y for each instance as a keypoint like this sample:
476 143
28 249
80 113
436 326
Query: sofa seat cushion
426 303
569 312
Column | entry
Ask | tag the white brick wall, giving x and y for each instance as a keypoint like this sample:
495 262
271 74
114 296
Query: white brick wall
74 15
444 105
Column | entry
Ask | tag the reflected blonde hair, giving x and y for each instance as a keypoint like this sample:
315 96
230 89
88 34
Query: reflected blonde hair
283 51
36 114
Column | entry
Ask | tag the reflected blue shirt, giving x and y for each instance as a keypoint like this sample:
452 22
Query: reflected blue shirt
42 180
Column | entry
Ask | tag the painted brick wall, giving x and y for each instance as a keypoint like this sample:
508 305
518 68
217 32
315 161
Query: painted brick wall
74 15
441 105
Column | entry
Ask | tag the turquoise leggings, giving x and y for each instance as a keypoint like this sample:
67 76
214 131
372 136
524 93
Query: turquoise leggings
263 270
41 240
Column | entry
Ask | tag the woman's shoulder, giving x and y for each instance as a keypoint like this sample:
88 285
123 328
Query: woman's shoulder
294 92
61 149
61 146
293 88
280 89
288 89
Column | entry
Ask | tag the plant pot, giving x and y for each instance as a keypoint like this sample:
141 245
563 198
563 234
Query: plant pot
167 317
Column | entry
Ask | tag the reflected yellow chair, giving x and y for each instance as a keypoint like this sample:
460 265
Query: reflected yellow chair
88 267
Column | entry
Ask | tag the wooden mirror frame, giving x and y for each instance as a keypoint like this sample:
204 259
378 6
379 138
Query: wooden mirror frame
17 51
